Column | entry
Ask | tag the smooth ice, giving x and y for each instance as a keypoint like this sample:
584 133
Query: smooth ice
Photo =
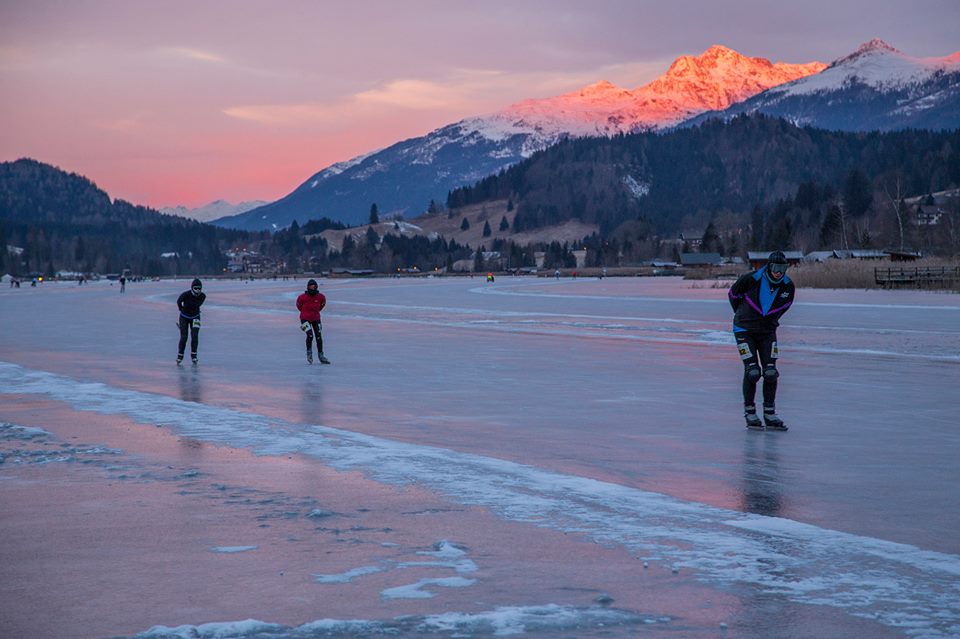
605 409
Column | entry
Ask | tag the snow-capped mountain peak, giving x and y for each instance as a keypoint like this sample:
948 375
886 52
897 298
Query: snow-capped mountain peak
875 64
713 80
213 210
877 87
473 148
874 47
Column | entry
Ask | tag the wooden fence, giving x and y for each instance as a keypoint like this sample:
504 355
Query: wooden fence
918 277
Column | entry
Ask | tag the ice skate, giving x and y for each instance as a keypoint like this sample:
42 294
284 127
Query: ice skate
322 359
193 359
750 415
309 357
179 359
771 419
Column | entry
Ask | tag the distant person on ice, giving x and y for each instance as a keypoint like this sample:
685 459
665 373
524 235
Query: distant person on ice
189 304
759 299
310 303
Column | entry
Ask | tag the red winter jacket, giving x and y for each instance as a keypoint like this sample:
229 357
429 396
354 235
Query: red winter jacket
310 306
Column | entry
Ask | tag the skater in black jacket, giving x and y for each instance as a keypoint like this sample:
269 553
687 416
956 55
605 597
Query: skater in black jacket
189 304
759 299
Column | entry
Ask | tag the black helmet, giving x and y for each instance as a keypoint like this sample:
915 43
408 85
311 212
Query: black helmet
196 285
776 266
312 283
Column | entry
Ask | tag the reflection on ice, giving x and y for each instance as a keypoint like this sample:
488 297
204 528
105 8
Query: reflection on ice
763 486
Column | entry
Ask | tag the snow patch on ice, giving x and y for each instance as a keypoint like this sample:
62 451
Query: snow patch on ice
417 590
15 431
346 577
500 622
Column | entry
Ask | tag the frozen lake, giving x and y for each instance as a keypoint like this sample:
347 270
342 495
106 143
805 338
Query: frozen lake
554 458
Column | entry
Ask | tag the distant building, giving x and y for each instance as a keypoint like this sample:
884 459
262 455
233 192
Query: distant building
693 239
818 256
860 254
927 215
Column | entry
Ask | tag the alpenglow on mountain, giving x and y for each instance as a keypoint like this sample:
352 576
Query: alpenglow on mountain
403 178
876 88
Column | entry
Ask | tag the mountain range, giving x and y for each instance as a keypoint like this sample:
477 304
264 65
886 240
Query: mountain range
212 211
404 177
875 88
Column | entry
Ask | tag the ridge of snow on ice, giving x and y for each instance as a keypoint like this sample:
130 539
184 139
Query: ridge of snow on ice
501 621
898 585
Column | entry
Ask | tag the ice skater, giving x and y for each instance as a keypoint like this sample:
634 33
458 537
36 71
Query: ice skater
759 299
310 303
189 304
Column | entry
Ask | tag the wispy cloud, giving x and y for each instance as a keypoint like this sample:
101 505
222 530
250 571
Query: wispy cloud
283 114
194 54
462 93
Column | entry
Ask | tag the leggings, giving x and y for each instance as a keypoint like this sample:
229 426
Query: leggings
314 330
759 354
186 325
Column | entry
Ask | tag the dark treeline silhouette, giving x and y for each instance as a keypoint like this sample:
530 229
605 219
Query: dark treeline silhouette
62 221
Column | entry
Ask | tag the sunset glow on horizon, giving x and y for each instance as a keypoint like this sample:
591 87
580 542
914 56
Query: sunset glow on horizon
182 103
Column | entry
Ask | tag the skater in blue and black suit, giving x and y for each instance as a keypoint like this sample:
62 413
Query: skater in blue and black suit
759 299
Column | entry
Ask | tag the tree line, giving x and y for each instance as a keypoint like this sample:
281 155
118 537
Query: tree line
786 185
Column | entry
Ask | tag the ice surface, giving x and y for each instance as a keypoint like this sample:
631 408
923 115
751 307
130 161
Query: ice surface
608 410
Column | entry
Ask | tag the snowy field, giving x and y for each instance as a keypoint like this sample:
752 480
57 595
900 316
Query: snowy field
530 457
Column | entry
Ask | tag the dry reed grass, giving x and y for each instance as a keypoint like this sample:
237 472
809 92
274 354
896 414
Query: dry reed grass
860 273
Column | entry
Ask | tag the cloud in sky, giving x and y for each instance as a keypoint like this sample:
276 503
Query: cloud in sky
94 85
194 54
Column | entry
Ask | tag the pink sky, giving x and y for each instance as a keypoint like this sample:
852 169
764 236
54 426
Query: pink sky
165 103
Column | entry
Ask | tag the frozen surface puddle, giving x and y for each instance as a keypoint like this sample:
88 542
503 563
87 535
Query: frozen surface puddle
898 585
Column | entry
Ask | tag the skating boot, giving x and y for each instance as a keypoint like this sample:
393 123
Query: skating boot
309 357
323 360
179 359
193 358
750 414
771 420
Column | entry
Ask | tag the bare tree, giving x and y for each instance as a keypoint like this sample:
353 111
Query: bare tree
896 202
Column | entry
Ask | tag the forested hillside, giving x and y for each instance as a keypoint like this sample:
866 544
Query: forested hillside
62 221
780 179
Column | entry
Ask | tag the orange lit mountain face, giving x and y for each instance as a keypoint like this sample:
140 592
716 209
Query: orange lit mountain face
713 80
405 176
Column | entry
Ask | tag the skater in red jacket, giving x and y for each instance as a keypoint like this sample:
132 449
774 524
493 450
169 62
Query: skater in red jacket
310 303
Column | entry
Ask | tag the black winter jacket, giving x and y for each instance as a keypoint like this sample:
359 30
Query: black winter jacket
189 304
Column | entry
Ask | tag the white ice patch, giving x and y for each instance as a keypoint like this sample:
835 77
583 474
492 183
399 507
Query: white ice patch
895 584
346 577
500 622
418 591
233 549
14 431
